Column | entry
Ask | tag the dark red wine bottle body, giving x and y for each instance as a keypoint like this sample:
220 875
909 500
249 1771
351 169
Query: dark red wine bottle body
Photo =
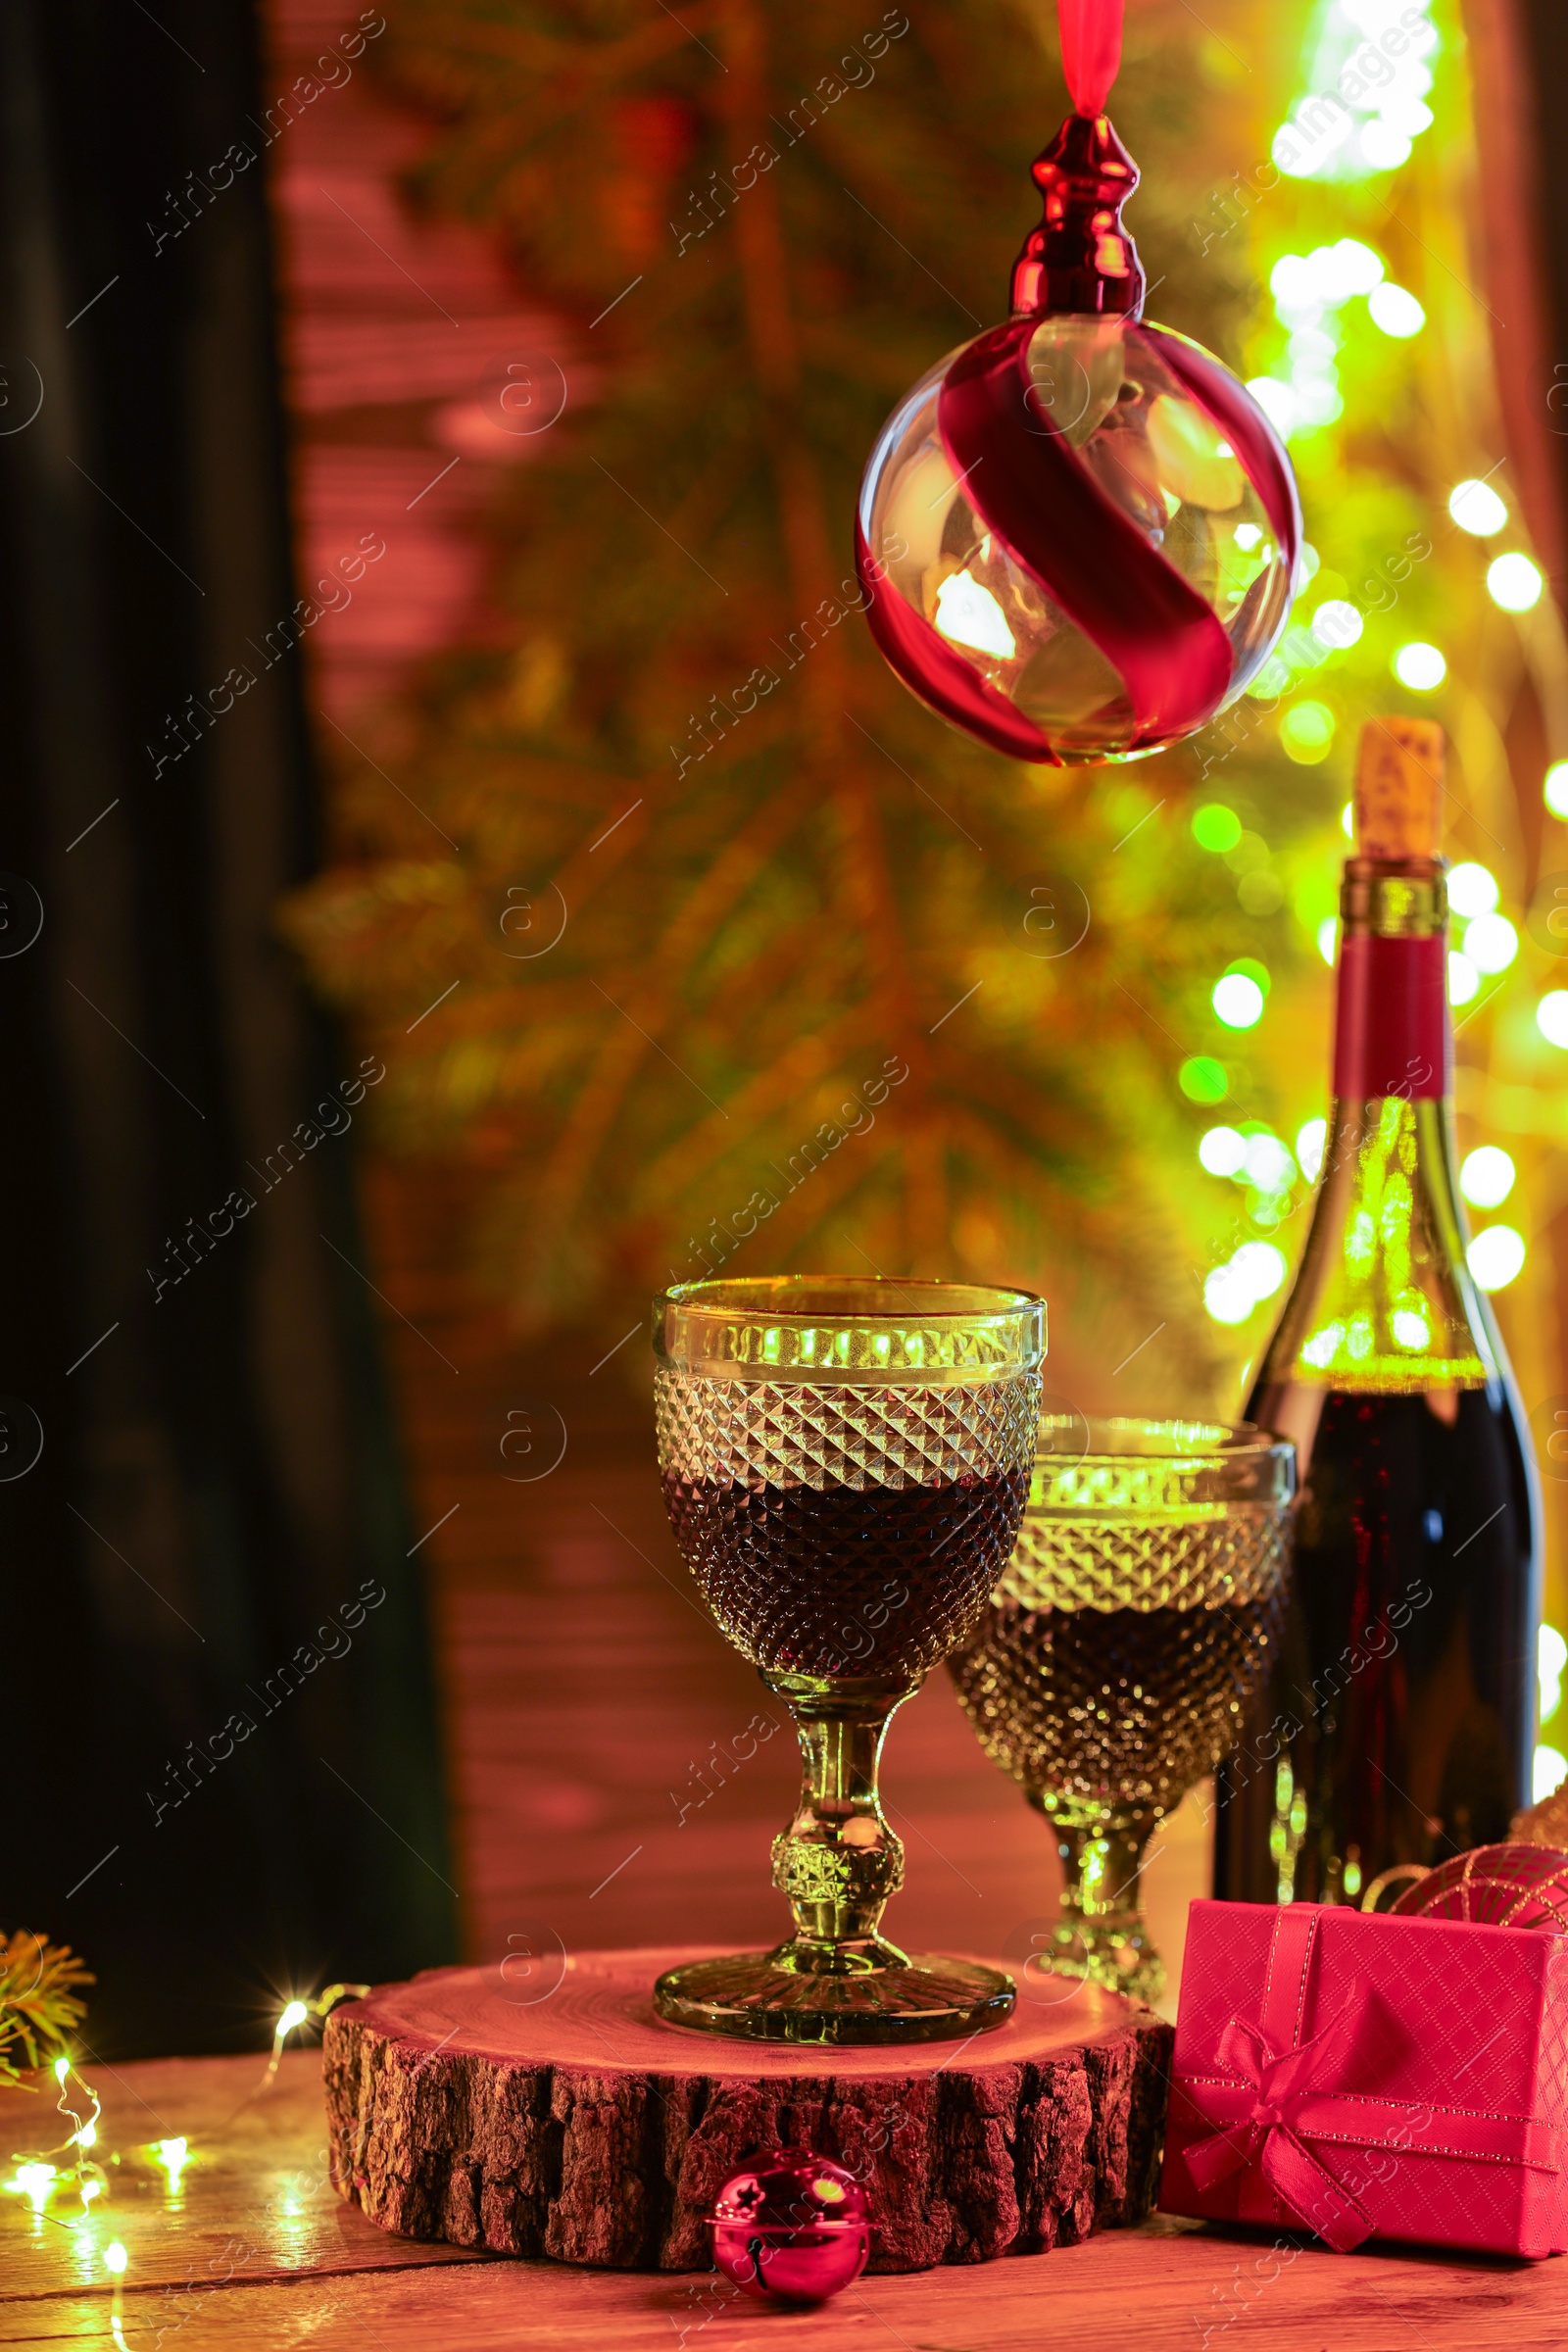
1400 1722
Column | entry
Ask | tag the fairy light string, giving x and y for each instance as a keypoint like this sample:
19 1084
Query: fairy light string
39 2176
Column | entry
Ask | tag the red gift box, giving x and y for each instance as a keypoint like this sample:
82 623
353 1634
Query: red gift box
1371 2077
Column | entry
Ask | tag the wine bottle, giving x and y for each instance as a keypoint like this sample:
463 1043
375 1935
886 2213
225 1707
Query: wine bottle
1400 1713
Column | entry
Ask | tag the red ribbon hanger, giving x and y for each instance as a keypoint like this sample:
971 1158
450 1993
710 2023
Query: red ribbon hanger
1091 50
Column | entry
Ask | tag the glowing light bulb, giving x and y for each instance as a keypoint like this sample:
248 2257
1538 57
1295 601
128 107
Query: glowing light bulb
62 2069
1476 508
1487 1176
969 614
32 2181
1495 1256
1420 667
174 2155
1514 582
85 2137
115 2258
294 2014
1554 788
1472 890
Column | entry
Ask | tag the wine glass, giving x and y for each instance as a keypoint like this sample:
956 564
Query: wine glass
845 1463
1135 1619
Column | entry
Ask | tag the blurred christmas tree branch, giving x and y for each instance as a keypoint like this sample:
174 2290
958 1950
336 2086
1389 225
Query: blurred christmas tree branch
39 2009
806 876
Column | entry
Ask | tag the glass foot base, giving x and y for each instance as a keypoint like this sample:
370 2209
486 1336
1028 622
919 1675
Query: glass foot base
760 1996
1119 1957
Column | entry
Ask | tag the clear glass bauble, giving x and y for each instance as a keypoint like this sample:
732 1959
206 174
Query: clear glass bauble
1104 387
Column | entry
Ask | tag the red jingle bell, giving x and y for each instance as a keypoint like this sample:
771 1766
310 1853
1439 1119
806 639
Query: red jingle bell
1078 533
791 2227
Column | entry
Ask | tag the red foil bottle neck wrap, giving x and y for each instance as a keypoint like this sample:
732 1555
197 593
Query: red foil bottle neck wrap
1391 1033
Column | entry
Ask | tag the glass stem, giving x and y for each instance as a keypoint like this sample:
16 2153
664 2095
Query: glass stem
1102 1935
839 1860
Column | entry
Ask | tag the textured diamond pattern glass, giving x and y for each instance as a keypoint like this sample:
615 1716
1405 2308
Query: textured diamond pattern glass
1134 1620
845 1464
760 1477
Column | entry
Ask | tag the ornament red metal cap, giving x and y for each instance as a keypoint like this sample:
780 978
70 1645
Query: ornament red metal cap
1081 259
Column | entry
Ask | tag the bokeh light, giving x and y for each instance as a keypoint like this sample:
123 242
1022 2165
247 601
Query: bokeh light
1337 625
1223 1152
1311 1142
1495 1256
1487 1176
1514 582
1395 310
1490 942
1464 981
1254 1273
1420 667
1472 890
1203 1079
1268 1164
1307 732
1551 1017
1216 827
1476 508
1238 1001
1554 788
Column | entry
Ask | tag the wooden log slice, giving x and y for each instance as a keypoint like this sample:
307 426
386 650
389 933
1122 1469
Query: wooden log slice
563 2118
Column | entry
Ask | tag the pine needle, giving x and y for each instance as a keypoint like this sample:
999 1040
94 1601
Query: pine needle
38 2006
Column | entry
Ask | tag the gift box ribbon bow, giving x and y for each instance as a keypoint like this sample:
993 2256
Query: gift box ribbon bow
1282 2095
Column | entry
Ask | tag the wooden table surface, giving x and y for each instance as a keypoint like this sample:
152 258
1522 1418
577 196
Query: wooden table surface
257 2252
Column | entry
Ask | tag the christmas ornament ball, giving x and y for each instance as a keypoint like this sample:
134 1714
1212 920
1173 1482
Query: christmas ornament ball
792 2226
1079 533
1511 1885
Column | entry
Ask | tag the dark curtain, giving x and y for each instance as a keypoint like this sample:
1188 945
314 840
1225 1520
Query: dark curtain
215 1693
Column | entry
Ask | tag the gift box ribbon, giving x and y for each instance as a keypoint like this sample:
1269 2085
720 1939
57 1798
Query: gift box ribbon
1292 2093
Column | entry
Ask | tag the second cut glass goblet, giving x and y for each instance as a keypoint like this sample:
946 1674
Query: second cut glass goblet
845 1464
1126 1635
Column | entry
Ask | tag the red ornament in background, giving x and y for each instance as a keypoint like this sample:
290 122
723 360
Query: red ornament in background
1078 533
1505 1885
791 2227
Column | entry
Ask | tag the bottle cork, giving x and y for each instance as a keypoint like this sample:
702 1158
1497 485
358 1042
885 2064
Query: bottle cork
1398 789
